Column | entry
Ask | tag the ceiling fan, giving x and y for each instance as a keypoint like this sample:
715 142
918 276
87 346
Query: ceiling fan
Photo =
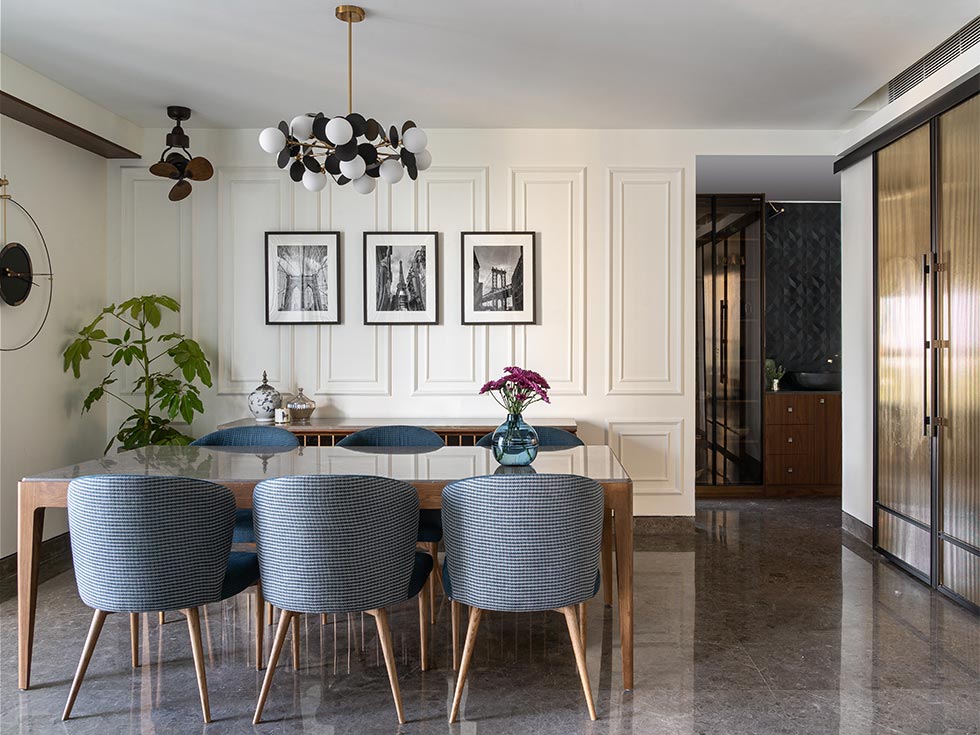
176 165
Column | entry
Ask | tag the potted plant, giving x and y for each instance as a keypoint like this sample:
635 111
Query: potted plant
773 374
169 365
515 442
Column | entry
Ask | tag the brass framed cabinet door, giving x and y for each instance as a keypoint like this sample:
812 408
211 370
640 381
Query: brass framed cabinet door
904 313
958 350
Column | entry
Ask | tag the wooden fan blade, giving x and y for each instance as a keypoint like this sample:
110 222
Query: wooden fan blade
199 169
180 191
164 170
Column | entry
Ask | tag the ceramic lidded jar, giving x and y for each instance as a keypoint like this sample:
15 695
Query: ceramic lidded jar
301 407
263 401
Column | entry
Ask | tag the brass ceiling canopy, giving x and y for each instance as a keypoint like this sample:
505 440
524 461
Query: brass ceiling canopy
349 13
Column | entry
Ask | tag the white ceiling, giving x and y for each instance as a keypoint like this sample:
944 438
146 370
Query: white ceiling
449 63
780 178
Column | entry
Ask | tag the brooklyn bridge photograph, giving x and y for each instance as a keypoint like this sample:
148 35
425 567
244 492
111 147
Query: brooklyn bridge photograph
302 278
498 277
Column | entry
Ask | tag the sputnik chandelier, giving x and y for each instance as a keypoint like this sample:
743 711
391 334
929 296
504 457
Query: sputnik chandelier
352 148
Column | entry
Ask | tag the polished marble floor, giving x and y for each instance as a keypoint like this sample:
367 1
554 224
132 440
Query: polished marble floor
767 619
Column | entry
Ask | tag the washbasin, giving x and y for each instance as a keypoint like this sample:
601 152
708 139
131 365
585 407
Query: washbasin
817 381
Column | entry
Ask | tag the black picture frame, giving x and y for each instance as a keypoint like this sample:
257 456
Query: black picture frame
375 316
469 278
333 314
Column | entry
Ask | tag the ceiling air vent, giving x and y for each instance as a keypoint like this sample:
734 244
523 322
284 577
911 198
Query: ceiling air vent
965 38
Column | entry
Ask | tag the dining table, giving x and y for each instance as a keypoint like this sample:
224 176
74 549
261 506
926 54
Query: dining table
241 468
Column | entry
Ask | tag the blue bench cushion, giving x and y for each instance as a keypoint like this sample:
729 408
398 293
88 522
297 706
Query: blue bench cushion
242 572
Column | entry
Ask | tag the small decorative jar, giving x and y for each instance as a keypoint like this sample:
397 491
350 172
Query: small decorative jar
301 407
515 443
263 401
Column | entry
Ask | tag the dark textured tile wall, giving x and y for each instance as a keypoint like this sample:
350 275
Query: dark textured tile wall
803 262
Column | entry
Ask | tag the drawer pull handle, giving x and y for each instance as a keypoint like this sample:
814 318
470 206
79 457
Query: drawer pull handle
789 440
823 400
789 470
789 409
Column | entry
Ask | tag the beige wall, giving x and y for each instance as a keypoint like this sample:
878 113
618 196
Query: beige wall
64 188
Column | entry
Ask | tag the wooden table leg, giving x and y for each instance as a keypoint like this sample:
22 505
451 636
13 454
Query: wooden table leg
30 527
623 520
607 557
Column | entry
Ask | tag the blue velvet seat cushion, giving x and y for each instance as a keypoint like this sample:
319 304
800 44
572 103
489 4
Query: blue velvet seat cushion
447 583
430 525
420 573
244 533
242 572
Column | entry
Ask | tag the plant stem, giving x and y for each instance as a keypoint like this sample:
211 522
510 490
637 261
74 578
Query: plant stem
120 398
146 374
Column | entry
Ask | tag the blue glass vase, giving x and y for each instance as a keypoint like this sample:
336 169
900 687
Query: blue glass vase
515 443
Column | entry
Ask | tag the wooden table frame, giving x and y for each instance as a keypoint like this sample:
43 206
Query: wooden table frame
35 496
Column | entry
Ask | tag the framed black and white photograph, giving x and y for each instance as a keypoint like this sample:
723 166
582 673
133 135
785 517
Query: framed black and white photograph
302 278
401 278
498 278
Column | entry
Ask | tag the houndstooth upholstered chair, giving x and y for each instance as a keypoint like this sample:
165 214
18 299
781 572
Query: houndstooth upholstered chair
430 520
247 436
144 544
339 544
519 543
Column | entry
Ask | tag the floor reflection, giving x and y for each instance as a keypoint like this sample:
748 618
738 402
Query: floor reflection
764 619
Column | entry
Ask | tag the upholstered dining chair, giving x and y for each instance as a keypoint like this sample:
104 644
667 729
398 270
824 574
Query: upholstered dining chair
522 543
144 544
430 520
548 436
551 437
339 544
247 436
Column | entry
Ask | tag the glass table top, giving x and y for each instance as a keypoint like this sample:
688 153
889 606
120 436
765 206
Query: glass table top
411 464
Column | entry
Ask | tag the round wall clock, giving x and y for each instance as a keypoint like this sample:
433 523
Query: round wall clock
18 279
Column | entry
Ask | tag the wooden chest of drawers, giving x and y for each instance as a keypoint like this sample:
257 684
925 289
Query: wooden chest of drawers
803 440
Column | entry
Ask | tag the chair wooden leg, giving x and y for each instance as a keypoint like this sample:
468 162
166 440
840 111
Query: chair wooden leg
455 611
295 642
284 618
324 618
269 613
134 638
464 665
93 637
583 624
433 549
423 630
194 628
607 556
583 672
161 617
388 649
259 627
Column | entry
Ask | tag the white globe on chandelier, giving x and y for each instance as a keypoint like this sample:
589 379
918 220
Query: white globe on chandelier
348 148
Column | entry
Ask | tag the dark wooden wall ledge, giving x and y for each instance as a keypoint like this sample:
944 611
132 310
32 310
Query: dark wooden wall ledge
17 109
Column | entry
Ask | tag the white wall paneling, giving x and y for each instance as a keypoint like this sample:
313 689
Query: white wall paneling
614 225
551 203
252 201
653 451
157 255
647 280
451 358
352 358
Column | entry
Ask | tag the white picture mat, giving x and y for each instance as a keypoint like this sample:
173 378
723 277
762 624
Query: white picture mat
331 313
524 240
372 241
